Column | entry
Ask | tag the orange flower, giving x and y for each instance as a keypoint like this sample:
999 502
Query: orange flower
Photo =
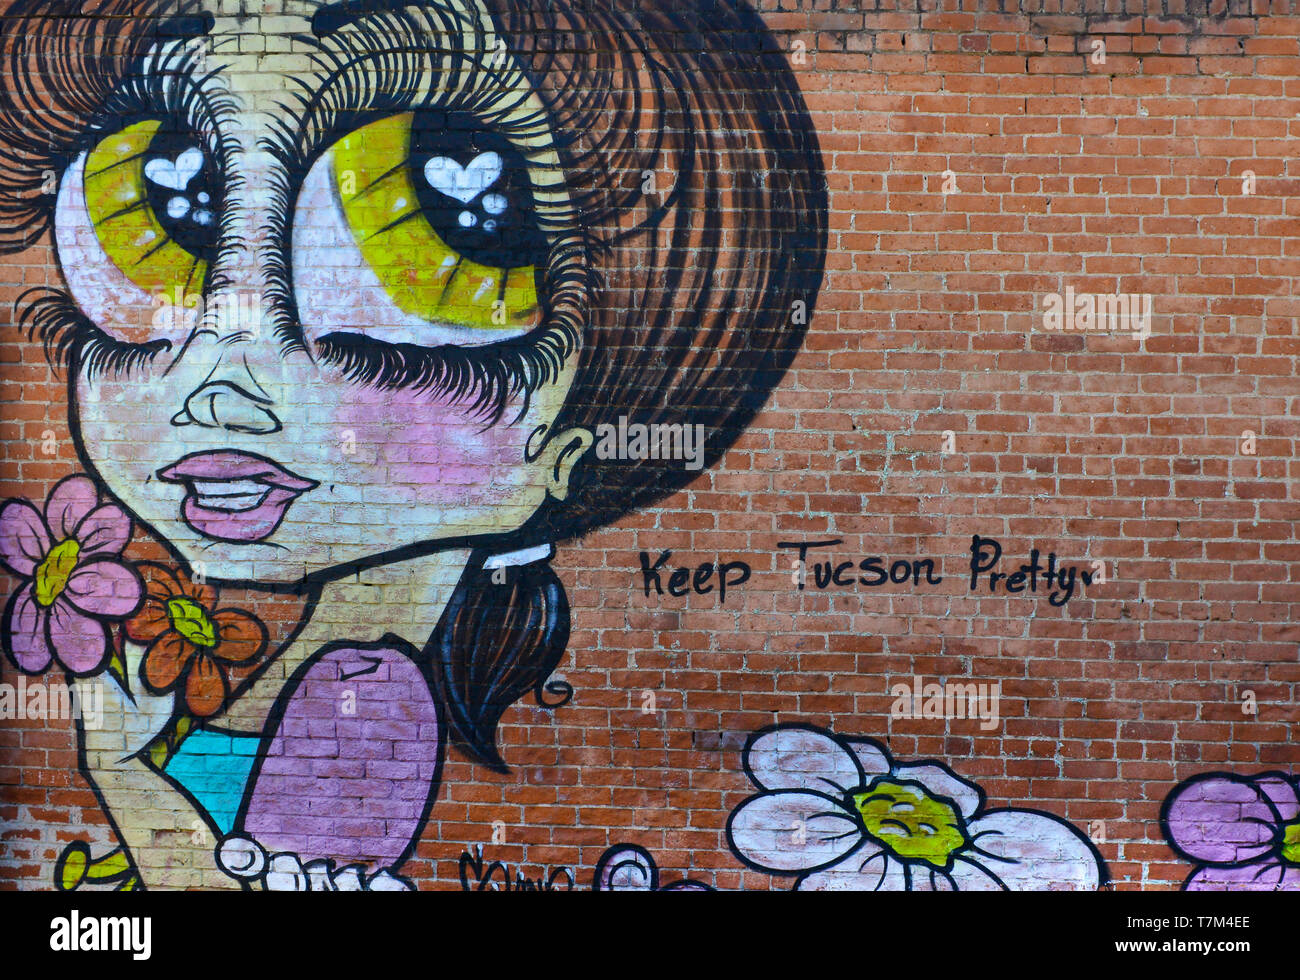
190 639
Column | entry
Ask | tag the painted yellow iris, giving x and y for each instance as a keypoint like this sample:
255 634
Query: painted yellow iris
125 223
907 820
421 273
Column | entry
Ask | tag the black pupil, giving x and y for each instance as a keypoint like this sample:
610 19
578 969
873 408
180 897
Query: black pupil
474 191
181 187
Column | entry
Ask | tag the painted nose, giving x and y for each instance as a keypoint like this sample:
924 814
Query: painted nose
222 405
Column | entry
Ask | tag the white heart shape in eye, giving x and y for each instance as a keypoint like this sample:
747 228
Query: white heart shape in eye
176 175
463 183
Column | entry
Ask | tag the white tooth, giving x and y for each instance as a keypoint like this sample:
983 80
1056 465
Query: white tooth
245 501
228 488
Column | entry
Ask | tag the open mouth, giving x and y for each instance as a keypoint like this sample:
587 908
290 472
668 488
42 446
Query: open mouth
233 495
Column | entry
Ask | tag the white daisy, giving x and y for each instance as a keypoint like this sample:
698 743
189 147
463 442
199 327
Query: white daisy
843 816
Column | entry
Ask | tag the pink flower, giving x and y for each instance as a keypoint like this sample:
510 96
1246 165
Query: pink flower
1242 832
76 579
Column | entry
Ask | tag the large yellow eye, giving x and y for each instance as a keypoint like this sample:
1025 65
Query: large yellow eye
442 213
151 199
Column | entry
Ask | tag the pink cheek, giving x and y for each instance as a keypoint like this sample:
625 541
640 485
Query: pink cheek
429 441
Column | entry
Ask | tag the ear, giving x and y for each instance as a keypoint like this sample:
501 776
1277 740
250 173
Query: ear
561 454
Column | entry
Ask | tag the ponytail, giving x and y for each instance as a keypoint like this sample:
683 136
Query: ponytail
504 630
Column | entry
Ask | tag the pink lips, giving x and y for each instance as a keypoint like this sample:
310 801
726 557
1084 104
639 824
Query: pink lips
235 496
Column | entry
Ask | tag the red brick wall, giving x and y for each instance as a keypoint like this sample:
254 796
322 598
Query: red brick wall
1124 176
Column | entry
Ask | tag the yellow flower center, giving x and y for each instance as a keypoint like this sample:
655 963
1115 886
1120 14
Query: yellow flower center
52 574
903 817
191 621
1291 842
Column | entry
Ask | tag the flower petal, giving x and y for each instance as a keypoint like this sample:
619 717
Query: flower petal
24 541
104 588
153 619
69 503
790 830
1219 818
1029 851
1267 875
25 632
935 880
79 642
105 531
242 637
867 870
163 583
940 782
205 688
969 876
872 756
1282 792
160 582
801 757
204 594
164 661
149 623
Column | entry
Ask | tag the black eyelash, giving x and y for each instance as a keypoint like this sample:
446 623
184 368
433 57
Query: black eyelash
162 84
191 105
380 63
188 99
481 379
70 338
493 373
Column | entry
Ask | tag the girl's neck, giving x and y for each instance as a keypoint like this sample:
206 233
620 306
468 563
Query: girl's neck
405 598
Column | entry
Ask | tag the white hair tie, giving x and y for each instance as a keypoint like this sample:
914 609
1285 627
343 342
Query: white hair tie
524 556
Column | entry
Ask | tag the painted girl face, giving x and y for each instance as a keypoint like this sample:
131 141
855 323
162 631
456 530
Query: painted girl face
320 333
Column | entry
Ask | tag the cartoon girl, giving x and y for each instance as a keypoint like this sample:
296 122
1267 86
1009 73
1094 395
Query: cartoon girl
344 291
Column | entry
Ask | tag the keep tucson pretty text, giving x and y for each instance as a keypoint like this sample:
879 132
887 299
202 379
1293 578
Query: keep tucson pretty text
813 567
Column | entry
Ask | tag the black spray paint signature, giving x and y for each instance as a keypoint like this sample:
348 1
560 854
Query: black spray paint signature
496 876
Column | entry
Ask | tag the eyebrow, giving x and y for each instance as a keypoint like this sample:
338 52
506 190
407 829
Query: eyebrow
334 16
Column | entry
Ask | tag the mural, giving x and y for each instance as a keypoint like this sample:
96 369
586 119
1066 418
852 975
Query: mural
398 315
1241 832
842 815
367 318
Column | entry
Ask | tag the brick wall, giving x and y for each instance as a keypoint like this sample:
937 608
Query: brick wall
983 161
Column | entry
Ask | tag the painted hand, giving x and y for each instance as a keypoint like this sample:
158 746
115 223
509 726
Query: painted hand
245 859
